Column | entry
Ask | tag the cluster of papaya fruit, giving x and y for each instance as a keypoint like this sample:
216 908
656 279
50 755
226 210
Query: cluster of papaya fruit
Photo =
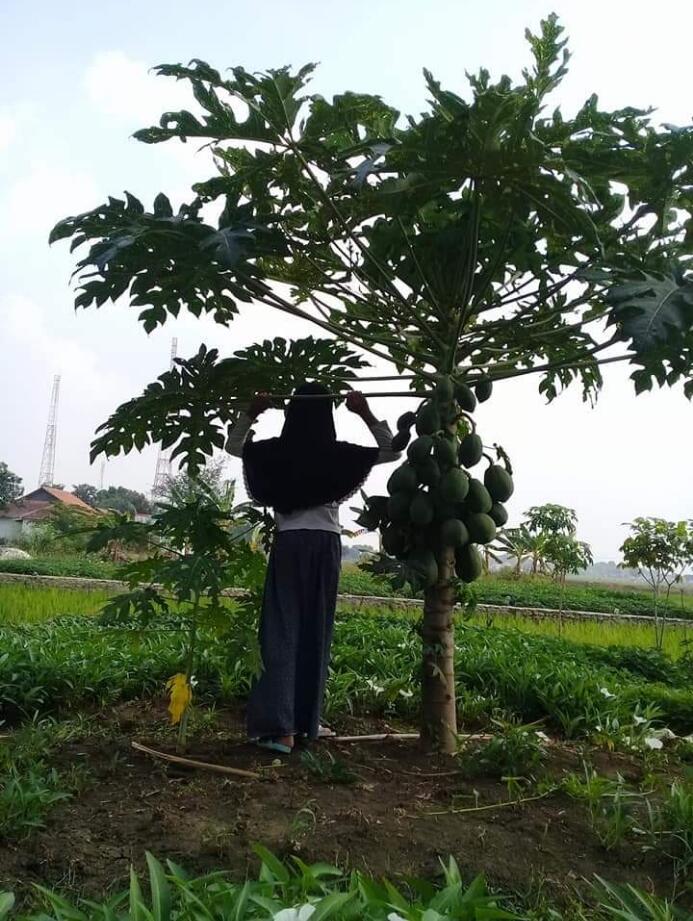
433 500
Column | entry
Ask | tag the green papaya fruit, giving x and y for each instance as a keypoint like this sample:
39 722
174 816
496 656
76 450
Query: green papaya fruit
394 540
465 397
405 421
499 514
499 483
421 509
448 413
428 420
398 507
402 480
468 563
443 508
454 486
454 533
445 450
420 449
478 497
483 390
471 450
445 389
481 527
428 471
424 566
401 440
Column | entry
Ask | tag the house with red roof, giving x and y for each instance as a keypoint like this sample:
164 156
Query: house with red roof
17 518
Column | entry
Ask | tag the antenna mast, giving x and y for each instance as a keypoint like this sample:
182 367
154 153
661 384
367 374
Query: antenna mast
47 474
163 461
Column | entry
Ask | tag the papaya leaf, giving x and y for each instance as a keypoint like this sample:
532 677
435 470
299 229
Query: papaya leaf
188 408
651 310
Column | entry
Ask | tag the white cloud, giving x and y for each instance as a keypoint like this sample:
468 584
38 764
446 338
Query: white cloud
15 118
125 88
26 331
44 195
8 130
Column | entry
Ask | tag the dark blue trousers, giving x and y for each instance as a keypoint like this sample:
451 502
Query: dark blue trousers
296 629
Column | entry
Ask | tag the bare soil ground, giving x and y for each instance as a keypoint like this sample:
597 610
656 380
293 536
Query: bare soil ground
401 812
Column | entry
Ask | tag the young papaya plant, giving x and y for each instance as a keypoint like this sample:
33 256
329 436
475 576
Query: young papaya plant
488 238
198 546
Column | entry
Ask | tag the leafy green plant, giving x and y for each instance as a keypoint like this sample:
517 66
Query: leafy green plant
26 796
481 241
326 768
196 544
630 904
609 803
514 751
55 668
285 891
669 829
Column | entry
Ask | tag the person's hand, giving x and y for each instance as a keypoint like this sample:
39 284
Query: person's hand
357 403
259 403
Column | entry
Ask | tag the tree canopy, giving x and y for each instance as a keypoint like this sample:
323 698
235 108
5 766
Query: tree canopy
490 237
117 498
10 485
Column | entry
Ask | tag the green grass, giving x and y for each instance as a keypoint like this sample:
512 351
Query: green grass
677 640
75 566
539 592
526 591
32 604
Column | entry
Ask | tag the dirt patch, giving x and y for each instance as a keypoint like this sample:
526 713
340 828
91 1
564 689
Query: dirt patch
396 817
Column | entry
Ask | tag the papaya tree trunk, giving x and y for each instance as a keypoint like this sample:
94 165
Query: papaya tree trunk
438 706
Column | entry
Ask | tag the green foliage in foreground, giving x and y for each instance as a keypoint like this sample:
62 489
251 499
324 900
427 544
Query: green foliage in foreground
295 891
57 667
540 592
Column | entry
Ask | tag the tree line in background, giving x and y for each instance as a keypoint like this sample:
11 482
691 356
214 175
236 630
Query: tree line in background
10 485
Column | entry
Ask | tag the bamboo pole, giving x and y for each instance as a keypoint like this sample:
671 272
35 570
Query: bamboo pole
321 396
189 762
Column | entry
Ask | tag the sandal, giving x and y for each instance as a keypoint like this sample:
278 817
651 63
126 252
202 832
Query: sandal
272 746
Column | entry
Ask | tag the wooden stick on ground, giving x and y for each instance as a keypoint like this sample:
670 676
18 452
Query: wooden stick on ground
202 765
381 737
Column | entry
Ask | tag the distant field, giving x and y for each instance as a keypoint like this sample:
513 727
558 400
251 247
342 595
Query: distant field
526 591
31 604
541 592
79 567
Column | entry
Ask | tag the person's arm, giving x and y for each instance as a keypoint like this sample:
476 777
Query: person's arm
238 432
357 403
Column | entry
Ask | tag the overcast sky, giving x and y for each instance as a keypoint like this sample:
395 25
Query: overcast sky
76 85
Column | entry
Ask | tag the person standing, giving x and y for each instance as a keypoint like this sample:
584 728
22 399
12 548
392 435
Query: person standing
305 474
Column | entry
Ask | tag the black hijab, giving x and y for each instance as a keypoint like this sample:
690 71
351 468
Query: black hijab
306 466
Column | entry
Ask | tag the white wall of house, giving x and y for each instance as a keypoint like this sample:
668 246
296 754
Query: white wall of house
10 529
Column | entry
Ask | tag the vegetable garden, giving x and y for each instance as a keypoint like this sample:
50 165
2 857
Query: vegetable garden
482 241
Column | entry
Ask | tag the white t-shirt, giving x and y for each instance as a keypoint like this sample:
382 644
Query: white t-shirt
321 517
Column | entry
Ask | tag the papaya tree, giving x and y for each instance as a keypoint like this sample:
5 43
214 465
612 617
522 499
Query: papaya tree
660 551
486 239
